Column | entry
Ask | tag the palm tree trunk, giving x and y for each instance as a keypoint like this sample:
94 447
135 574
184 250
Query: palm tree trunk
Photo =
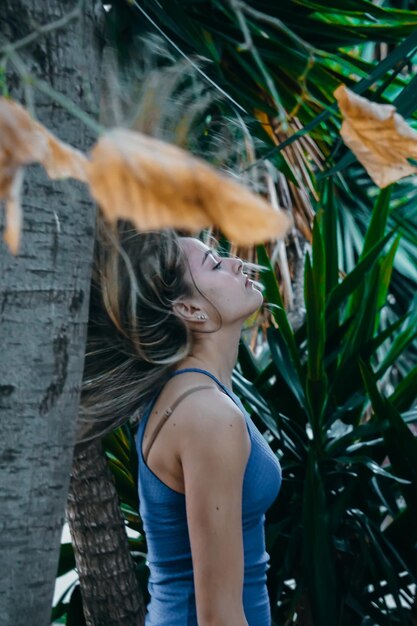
109 587
43 307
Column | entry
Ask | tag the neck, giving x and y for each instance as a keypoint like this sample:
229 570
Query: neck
216 352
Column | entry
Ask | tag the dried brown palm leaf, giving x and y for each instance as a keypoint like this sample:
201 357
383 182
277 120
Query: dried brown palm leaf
20 142
158 185
24 141
378 136
61 160
133 176
19 145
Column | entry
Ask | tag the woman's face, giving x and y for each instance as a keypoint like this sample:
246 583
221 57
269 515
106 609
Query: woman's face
222 281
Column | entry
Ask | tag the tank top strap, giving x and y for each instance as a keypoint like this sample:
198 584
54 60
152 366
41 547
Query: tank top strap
168 413
235 398
228 391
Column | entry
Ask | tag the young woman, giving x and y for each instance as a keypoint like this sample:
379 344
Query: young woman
206 474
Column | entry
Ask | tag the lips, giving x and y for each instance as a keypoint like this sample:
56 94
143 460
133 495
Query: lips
248 281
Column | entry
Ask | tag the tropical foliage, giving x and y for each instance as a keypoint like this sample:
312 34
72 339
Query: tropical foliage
336 534
336 396
342 533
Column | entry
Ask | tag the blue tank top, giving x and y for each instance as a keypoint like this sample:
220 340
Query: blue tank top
163 514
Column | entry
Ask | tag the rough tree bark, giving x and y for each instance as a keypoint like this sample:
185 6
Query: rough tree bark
109 587
43 313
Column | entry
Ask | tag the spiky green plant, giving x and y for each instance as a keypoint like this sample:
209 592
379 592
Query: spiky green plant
342 533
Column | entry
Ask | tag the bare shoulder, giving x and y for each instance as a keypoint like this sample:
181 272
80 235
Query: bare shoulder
208 408
210 418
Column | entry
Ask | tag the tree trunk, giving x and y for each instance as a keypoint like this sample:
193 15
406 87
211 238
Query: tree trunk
109 587
43 313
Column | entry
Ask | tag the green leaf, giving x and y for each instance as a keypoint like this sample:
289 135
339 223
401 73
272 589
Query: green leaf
400 442
374 234
248 391
285 365
378 222
405 393
329 221
317 547
371 465
273 296
399 343
314 295
356 276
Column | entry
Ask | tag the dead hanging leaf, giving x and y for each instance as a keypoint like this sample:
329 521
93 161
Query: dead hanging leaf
24 141
158 185
132 176
19 145
378 136
61 160
14 213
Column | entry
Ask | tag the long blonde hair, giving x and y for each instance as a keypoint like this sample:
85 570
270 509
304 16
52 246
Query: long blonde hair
134 339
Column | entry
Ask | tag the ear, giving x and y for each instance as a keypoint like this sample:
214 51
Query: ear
189 311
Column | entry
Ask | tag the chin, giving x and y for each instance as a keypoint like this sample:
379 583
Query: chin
257 299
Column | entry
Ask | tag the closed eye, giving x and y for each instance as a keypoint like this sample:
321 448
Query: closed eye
215 267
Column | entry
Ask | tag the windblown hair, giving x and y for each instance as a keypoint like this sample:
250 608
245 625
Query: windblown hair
134 338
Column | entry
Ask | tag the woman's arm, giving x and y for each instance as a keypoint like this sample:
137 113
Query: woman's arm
214 449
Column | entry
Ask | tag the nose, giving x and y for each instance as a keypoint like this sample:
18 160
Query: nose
238 265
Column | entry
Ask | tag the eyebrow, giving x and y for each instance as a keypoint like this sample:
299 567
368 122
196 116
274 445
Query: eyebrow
207 252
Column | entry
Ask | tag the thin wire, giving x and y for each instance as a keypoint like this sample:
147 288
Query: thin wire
190 61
